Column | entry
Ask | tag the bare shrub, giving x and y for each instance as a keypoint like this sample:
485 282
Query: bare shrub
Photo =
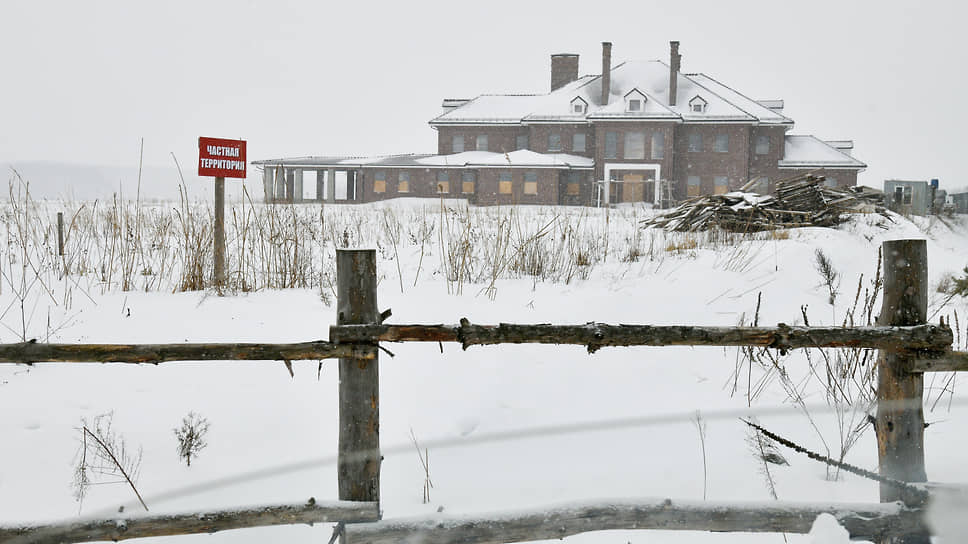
104 453
191 436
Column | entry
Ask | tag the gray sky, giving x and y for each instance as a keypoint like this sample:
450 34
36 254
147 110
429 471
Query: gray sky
83 82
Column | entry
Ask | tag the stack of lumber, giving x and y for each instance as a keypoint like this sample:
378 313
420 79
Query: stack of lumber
802 201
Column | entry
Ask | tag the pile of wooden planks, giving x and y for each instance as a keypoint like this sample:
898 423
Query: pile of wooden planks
802 201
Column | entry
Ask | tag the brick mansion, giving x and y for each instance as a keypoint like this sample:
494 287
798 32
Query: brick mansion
641 131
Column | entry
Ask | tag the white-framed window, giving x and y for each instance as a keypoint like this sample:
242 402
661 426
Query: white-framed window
554 141
521 141
634 101
658 145
482 142
634 144
762 144
697 104
457 144
695 141
721 143
578 105
578 142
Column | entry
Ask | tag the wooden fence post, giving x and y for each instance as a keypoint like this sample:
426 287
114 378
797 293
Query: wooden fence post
900 413
60 233
358 465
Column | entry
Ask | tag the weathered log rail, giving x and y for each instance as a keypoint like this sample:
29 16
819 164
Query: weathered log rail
931 338
862 521
34 352
127 527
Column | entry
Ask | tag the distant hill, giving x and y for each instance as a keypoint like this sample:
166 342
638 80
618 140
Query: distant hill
57 180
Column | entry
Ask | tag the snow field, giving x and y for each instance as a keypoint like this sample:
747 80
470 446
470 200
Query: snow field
506 427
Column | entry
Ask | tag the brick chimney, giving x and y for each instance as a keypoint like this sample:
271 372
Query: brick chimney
674 59
564 69
606 71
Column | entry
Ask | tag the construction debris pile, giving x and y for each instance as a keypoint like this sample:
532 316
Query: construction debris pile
803 201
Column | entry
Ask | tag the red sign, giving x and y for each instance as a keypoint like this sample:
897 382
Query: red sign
221 158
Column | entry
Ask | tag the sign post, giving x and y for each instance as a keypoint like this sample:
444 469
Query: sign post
221 159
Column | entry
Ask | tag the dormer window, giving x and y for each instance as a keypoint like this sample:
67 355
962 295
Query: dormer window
697 104
578 105
634 101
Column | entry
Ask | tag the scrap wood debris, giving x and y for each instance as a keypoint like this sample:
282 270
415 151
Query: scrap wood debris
802 201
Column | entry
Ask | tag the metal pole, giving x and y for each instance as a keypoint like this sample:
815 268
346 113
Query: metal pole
219 232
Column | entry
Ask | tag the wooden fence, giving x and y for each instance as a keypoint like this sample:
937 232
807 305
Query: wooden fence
908 346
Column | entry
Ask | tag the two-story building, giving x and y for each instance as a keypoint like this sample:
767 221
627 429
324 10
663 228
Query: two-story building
641 131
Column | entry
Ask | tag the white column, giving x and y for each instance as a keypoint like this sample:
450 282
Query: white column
297 186
331 185
280 183
267 183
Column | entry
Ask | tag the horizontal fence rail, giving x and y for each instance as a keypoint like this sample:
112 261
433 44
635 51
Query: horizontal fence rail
599 335
32 352
122 528
952 361
863 521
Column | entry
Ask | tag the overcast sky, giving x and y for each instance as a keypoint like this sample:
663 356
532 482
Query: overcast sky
83 82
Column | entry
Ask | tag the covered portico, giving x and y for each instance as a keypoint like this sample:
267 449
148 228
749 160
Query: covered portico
286 180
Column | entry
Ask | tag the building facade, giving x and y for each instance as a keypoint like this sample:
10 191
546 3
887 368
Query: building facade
641 131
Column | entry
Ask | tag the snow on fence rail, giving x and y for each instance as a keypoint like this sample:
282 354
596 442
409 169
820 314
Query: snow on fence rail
866 521
908 347
125 527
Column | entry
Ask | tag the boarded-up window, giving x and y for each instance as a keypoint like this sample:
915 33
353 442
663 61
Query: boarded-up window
635 145
721 144
554 142
521 141
504 183
530 183
572 188
467 180
379 182
482 142
611 145
443 182
693 186
578 142
695 141
457 144
403 182
762 144
720 185
658 145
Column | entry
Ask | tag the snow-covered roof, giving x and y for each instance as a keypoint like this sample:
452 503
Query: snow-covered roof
804 151
651 78
485 159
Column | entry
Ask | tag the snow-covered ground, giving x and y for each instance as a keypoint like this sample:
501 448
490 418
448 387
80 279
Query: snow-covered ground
506 427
